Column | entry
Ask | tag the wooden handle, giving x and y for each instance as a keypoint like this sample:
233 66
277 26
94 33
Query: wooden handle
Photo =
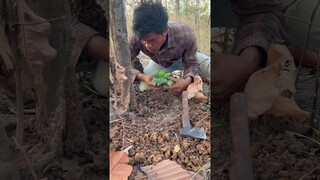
241 167
185 110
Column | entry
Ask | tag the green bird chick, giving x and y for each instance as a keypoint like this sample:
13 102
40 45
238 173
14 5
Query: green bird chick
162 78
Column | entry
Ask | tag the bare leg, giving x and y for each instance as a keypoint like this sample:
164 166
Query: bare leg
230 72
98 47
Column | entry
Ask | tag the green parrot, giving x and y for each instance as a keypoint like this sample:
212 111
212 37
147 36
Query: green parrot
162 78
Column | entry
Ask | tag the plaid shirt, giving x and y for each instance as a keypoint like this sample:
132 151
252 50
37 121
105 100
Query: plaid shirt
259 21
181 42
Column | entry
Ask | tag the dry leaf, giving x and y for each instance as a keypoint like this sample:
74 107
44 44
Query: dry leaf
200 96
271 90
119 169
177 74
176 148
261 91
284 106
195 89
167 169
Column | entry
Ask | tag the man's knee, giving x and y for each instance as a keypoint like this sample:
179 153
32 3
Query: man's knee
204 64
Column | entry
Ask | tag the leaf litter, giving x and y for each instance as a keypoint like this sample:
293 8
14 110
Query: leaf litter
153 132
281 148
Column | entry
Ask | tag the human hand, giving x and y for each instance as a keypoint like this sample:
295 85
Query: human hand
179 86
147 78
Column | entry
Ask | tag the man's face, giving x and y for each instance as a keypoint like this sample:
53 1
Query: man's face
154 41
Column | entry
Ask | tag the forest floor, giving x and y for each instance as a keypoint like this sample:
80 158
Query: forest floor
92 165
280 148
153 131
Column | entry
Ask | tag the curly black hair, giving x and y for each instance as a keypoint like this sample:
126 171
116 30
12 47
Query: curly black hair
149 17
89 13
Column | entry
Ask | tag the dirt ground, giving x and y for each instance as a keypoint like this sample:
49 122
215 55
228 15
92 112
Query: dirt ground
89 166
280 148
92 165
153 131
277 152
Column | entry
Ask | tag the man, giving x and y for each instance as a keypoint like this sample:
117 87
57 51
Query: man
171 46
259 23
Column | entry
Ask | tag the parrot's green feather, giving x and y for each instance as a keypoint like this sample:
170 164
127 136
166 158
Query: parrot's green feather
161 78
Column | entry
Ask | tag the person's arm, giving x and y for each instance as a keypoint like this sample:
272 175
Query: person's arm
190 63
135 48
259 23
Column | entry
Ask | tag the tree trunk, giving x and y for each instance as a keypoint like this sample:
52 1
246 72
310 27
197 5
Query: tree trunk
196 17
61 119
8 167
197 14
177 9
120 53
158 1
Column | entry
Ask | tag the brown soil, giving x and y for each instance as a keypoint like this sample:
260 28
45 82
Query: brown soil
91 165
277 153
153 131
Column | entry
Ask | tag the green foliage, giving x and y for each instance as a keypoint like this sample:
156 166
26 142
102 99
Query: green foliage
162 78
189 8
187 15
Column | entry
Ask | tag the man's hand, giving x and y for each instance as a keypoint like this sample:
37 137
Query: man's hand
180 85
147 78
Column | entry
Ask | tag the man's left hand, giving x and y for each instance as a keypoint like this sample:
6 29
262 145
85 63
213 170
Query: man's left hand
179 86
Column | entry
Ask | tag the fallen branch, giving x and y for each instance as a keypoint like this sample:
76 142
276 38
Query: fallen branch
300 135
203 167
17 73
33 173
221 169
201 121
309 173
122 123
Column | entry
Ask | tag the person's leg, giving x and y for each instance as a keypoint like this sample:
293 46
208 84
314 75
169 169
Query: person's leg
152 67
259 24
87 41
231 72
204 65
100 79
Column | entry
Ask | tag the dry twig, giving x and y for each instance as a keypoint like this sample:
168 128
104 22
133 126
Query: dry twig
300 135
15 55
203 167
34 175
201 121
309 173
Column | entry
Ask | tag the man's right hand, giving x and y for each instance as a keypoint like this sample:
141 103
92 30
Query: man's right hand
147 78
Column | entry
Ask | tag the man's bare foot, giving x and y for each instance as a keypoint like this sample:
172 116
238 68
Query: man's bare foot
230 72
